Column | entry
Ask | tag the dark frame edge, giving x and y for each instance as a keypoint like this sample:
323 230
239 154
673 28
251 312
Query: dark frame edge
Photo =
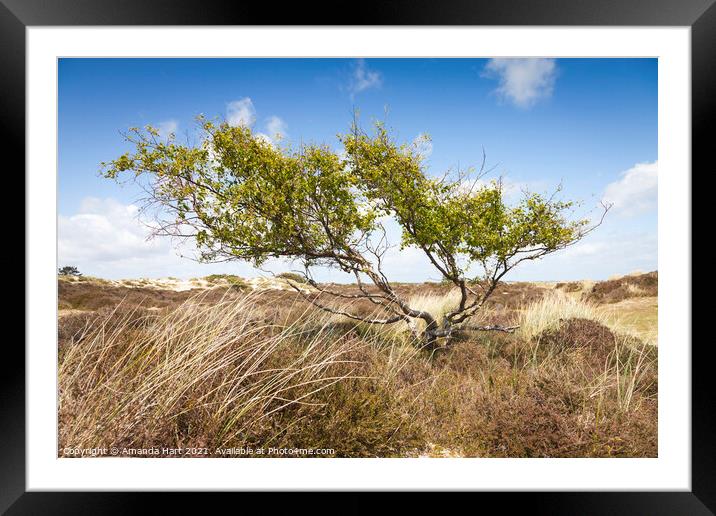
703 107
12 128
702 499
395 12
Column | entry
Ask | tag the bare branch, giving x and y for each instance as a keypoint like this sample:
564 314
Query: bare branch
335 311
494 327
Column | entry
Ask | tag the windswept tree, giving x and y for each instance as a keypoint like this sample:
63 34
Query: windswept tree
240 197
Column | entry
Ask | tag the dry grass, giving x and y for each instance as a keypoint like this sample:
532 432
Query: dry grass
635 317
551 310
263 369
125 378
438 304
633 364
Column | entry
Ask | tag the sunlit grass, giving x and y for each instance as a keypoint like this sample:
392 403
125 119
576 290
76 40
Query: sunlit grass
239 372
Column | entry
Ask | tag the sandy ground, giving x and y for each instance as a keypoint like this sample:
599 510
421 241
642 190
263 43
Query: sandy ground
179 285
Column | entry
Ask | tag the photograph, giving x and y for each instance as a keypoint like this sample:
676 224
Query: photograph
357 257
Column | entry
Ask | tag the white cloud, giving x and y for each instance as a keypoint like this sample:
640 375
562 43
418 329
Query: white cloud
276 127
583 249
104 230
636 191
241 112
167 127
423 145
364 78
275 130
599 256
523 81
106 239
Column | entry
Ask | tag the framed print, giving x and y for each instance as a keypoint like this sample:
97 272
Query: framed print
437 250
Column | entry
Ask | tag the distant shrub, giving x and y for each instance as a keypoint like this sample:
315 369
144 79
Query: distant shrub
293 276
69 270
231 279
615 290
569 286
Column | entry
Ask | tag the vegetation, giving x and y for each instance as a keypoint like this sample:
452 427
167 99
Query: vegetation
231 279
242 198
227 369
615 290
69 270
293 276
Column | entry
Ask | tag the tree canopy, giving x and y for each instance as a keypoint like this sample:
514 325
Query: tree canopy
242 197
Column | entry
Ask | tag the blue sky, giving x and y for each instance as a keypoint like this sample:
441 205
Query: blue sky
590 124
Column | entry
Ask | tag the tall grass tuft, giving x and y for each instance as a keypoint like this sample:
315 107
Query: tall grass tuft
436 304
551 310
629 370
138 380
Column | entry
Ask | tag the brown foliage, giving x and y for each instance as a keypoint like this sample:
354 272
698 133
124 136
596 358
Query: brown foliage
613 291
566 393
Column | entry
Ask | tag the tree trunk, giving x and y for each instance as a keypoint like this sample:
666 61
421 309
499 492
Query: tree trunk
431 331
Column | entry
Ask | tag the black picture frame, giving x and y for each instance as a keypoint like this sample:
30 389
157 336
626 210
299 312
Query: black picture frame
16 15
